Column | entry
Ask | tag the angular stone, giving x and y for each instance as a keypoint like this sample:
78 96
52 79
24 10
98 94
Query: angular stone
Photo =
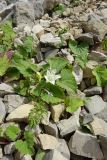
97 56
85 145
45 119
99 127
3 4
78 74
2 111
21 113
51 129
93 91
9 148
50 40
5 89
95 104
24 13
103 114
1 153
48 141
67 126
103 142
87 118
56 111
86 37
38 30
13 101
26 157
9 157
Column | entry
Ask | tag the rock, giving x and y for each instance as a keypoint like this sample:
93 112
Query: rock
2 111
103 142
13 101
85 145
38 30
46 118
45 23
67 126
51 129
3 4
87 118
103 114
9 157
99 127
53 155
63 149
26 157
95 104
48 141
95 26
86 37
56 111
36 130
93 91
97 56
78 74
5 89
50 40
51 53
1 153
24 13
9 148
21 113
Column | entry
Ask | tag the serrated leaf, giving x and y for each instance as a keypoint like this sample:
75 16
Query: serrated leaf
73 103
67 81
100 72
57 63
80 51
4 64
23 147
12 132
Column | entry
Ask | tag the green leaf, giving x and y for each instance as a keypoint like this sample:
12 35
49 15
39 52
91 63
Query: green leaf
23 147
80 51
60 8
40 155
12 132
57 63
4 64
37 114
100 72
48 98
67 81
73 103
29 137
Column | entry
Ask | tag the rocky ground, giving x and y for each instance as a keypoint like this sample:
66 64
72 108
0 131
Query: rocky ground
61 134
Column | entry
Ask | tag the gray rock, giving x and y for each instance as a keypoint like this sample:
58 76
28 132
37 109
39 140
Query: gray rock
26 157
93 91
99 127
45 119
9 148
2 111
50 40
97 56
103 142
1 153
95 104
24 13
51 129
53 155
95 26
105 93
78 74
51 53
67 126
85 145
48 141
13 101
3 4
5 89
87 118
7 158
86 37
103 114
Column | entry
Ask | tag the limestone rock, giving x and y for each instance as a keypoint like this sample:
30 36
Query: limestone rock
93 91
67 126
85 145
21 113
38 30
56 111
3 4
51 129
9 148
103 142
5 89
26 157
95 104
48 141
2 111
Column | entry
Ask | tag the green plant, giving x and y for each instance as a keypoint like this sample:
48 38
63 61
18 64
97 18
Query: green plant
60 8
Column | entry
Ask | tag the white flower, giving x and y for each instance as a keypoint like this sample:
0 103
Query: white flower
51 76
